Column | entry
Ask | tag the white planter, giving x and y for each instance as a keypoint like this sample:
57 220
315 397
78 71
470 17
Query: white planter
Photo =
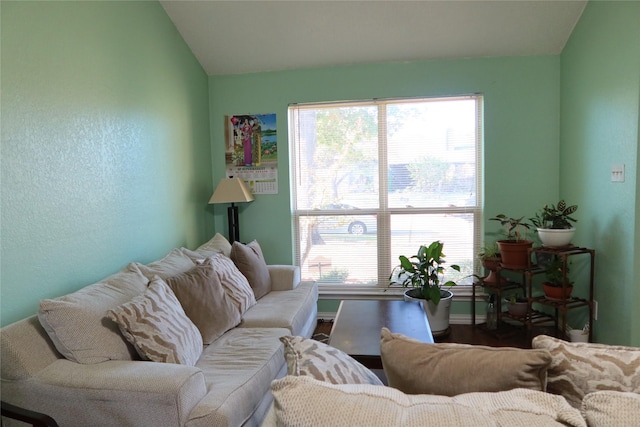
554 238
438 315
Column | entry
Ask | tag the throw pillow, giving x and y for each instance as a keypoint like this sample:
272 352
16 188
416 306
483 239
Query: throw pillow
234 283
450 369
217 244
77 323
204 301
175 262
157 326
305 401
308 357
251 263
611 409
577 369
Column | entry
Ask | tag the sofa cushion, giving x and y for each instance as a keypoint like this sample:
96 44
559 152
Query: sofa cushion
217 244
204 301
295 310
307 401
577 369
158 327
450 369
238 369
250 261
306 356
78 325
611 409
234 283
175 262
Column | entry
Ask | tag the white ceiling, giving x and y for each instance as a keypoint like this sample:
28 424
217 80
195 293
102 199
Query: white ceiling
234 36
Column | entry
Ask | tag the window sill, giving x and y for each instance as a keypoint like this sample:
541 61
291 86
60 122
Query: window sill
341 292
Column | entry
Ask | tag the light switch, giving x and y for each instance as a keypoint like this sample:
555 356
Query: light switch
617 173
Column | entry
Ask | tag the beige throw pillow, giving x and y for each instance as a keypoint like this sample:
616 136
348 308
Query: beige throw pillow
175 262
577 369
250 261
305 401
308 357
204 301
451 369
77 323
234 283
217 244
157 326
611 409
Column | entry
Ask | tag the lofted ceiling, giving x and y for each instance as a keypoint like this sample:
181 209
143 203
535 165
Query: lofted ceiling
235 37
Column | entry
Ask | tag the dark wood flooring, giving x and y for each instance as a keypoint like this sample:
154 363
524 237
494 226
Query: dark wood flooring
478 335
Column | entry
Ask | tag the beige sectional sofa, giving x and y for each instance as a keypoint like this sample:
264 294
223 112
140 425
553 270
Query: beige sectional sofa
556 383
73 362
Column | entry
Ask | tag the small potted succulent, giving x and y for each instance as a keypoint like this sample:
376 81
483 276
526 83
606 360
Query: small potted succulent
554 224
424 274
514 249
517 305
557 286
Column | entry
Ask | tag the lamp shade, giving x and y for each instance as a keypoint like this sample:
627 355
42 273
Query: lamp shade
231 190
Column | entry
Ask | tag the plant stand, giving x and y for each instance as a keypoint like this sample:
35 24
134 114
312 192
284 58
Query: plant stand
525 284
563 306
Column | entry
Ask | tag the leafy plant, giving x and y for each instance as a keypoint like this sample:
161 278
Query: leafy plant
554 273
555 216
489 251
515 228
424 270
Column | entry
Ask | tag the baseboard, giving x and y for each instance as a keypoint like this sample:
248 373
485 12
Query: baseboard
326 316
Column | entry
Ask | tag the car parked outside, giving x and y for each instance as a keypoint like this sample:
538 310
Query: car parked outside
342 224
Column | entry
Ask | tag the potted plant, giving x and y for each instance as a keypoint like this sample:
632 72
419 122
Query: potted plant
490 258
514 249
554 224
424 274
517 306
557 287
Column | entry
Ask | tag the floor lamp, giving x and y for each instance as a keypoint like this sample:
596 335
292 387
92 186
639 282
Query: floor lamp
232 190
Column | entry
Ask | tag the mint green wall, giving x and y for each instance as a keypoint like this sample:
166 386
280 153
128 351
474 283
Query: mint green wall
600 93
106 157
521 127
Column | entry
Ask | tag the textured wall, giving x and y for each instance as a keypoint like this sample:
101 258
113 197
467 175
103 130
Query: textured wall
600 113
105 145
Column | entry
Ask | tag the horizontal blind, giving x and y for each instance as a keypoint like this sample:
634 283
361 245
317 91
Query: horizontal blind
376 179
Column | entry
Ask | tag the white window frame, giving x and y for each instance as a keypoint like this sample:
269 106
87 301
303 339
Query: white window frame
383 212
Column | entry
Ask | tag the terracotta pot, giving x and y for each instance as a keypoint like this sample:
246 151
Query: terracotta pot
491 264
515 254
555 293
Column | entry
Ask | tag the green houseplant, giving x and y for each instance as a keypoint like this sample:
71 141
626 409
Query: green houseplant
424 274
514 249
489 257
554 224
557 285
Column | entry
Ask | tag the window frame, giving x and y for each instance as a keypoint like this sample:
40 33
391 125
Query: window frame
384 212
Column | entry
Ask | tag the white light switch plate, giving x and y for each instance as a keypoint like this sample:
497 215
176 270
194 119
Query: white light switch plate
617 173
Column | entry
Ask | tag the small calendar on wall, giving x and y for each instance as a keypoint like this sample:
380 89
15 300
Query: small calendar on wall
260 180
251 151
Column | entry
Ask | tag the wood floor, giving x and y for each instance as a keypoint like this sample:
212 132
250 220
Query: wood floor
468 334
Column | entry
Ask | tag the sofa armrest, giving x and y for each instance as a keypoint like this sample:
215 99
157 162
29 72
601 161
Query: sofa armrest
33 418
166 391
284 277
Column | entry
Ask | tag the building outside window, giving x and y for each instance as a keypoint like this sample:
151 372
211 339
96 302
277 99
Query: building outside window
373 180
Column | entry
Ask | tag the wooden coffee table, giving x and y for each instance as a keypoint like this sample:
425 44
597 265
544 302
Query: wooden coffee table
356 328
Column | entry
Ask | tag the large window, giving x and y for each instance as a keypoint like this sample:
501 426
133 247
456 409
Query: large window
373 180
